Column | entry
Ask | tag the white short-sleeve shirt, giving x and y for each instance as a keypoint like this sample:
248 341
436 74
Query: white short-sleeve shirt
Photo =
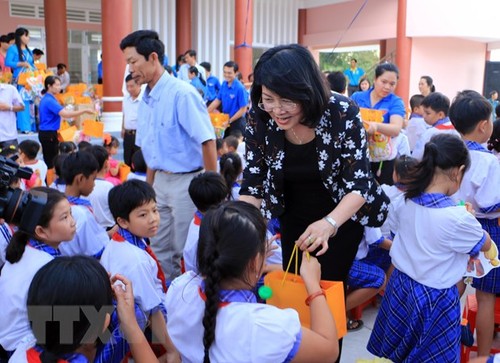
432 244
15 281
191 246
418 151
245 332
480 184
139 267
99 200
90 238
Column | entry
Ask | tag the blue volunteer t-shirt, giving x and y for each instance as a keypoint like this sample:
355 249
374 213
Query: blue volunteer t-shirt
232 97
392 104
49 113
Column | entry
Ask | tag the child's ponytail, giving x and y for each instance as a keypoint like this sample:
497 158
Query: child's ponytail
16 247
212 288
443 151
230 168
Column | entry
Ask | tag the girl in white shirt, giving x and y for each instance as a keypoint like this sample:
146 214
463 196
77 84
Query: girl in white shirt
221 303
419 319
231 168
26 253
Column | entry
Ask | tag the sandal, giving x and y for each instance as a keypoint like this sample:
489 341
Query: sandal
354 325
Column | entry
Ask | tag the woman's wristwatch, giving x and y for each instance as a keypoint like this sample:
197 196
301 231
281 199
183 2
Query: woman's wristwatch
333 224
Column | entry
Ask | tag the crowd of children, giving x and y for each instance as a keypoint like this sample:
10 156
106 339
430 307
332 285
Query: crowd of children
93 224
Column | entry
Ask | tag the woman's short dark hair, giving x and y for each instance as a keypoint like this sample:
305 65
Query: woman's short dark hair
78 282
292 73
386 67
145 42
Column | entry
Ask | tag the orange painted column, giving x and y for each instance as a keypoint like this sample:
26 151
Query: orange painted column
56 30
116 24
487 56
403 54
302 26
243 36
183 23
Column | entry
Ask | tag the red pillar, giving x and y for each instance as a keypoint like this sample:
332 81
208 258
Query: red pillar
302 26
243 36
56 31
487 56
182 26
116 24
403 53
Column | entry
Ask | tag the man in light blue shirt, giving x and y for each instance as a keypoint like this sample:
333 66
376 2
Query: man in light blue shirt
177 141
234 99
353 75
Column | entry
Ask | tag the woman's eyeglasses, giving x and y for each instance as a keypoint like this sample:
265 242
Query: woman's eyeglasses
284 105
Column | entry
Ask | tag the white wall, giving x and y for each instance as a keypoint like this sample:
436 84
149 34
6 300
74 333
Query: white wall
445 60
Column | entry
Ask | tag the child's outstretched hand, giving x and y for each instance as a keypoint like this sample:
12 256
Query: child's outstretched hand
468 208
310 271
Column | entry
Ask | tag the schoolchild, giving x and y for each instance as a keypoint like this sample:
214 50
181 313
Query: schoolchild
231 169
139 167
419 319
28 151
79 171
221 304
27 252
436 107
416 124
494 141
206 190
112 144
74 285
133 206
471 115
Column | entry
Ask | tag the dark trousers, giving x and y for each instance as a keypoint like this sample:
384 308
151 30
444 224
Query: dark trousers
129 146
352 89
50 146
238 124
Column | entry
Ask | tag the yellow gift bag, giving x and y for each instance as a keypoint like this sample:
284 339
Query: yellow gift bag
289 291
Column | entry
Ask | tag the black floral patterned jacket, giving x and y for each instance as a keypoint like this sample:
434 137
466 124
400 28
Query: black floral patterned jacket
342 161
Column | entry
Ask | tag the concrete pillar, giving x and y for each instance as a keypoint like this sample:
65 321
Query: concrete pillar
243 36
302 26
116 24
56 30
403 54
182 26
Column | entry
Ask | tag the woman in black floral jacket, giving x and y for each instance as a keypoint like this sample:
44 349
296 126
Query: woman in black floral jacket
307 161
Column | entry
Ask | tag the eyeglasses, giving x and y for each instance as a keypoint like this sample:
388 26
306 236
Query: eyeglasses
284 105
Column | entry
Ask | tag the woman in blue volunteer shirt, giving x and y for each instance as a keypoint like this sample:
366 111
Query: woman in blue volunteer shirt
19 57
383 150
50 119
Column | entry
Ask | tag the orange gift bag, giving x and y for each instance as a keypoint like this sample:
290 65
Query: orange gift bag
123 172
289 291
67 134
93 128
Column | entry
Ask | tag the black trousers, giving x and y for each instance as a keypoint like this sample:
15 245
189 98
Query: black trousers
50 146
238 124
129 146
382 171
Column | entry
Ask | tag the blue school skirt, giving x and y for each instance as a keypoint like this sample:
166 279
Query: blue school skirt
365 275
417 323
490 282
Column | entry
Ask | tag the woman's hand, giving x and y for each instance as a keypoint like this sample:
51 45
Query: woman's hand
372 127
316 235
24 64
310 271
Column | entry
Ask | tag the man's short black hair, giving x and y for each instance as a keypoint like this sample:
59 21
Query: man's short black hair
145 42
191 52
61 66
232 64
81 162
207 66
37 51
126 197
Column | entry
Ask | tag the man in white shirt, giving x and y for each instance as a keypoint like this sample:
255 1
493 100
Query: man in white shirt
190 58
10 103
63 76
129 124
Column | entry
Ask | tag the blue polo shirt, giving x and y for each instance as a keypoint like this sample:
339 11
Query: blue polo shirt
49 110
173 122
232 97
392 104
354 75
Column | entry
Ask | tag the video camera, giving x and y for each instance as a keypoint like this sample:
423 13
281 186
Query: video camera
17 207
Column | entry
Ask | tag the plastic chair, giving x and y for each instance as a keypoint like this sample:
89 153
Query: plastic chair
470 313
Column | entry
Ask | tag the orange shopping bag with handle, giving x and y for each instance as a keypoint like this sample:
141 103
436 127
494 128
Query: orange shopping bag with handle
93 128
289 291
123 171
67 134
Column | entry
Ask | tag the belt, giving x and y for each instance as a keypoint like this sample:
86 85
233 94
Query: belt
182 172
130 132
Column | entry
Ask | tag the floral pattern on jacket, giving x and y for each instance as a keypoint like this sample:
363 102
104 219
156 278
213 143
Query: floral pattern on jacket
342 161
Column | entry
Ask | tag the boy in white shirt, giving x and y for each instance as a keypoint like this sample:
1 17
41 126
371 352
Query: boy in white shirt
133 205
28 151
416 124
